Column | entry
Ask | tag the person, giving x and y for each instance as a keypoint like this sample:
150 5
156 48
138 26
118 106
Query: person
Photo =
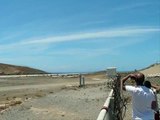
143 98
155 89
147 84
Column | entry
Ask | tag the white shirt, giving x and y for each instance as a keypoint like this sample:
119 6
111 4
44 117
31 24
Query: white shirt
142 98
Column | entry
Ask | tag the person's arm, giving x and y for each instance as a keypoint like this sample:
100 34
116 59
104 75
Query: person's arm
132 76
155 87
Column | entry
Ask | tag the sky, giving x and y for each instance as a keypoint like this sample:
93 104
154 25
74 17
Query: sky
80 35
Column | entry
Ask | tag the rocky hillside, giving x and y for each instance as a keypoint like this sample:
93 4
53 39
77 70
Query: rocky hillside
12 69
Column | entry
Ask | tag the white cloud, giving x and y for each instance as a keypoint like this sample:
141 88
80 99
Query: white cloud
111 33
119 32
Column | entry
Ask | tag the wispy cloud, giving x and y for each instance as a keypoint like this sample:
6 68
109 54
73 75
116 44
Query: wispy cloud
119 32
110 49
111 33
133 6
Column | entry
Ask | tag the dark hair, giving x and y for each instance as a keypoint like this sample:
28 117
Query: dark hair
147 84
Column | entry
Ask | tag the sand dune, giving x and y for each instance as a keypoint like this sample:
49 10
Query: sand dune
154 69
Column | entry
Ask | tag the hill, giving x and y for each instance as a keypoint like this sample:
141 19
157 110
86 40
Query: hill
152 69
18 70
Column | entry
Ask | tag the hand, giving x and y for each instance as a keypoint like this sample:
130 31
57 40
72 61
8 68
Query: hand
158 89
132 76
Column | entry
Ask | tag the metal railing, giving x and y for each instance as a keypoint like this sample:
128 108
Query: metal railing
105 113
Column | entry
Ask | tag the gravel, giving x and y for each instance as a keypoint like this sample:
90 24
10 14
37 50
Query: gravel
72 103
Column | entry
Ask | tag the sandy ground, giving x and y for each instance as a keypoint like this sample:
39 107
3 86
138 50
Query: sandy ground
46 98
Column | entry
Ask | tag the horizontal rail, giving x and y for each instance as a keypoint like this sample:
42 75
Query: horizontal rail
105 110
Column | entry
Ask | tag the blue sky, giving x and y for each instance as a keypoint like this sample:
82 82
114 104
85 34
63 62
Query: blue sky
80 35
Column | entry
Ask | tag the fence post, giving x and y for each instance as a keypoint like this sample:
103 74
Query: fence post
118 103
81 80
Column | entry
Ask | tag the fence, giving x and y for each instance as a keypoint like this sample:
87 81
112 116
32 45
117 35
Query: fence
115 105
